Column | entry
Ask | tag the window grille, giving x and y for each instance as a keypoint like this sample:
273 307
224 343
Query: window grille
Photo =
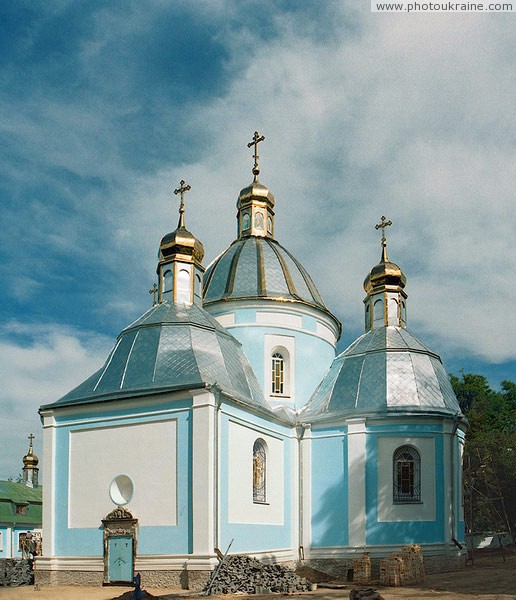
259 471
407 475
278 373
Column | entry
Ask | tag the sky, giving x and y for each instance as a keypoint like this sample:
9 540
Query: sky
106 106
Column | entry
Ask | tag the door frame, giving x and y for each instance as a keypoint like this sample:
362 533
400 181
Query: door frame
119 522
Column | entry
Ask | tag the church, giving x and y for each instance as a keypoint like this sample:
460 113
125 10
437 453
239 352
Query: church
224 418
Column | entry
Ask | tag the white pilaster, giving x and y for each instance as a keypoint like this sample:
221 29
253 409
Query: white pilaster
356 482
305 490
49 461
203 473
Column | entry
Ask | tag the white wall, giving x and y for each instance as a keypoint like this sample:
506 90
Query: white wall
241 508
146 452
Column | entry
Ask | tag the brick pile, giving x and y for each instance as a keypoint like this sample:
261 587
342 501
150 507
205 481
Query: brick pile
362 569
247 575
403 568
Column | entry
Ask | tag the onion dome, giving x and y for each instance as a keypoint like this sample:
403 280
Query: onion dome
259 268
30 460
173 346
385 371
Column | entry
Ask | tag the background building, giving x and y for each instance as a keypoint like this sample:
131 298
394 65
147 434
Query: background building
20 507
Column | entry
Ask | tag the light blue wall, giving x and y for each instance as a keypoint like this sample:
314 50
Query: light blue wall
406 532
329 487
151 540
254 537
314 355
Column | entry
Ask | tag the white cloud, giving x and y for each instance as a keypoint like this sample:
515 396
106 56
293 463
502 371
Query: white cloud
40 363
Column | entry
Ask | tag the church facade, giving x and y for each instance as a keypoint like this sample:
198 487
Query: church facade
223 418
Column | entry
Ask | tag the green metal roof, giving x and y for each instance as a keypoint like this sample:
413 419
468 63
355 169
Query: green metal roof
11 494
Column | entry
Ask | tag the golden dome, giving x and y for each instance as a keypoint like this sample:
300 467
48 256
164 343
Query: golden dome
181 241
255 191
384 274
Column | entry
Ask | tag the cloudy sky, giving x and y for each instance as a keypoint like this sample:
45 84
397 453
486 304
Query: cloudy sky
105 106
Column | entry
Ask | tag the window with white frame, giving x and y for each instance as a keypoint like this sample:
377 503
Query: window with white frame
406 475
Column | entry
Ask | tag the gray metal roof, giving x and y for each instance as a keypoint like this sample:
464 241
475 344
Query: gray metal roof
256 267
172 346
386 370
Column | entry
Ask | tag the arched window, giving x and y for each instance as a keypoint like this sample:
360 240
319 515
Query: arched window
378 316
394 318
278 373
269 225
183 286
258 220
198 287
167 285
367 316
246 221
259 471
406 475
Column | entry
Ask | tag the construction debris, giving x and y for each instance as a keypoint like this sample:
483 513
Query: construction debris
14 572
362 569
364 594
247 575
403 568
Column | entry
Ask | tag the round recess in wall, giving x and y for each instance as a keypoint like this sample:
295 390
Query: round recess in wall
121 490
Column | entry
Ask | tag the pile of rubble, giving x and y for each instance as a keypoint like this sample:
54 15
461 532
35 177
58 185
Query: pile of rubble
403 568
14 572
238 573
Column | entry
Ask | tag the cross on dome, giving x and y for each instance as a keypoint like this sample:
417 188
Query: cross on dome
382 225
181 190
257 138
154 291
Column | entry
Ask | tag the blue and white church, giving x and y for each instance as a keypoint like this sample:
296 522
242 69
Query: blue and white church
223 415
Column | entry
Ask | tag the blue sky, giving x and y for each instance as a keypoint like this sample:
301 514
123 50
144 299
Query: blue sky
105 106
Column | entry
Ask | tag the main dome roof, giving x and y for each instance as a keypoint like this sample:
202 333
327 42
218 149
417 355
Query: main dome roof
259 268
172 346
385 371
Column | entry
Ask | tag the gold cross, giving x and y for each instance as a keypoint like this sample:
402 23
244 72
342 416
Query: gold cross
181 190
257 138
154 291
382 226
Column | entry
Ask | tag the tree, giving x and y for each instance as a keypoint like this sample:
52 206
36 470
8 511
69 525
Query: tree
489 453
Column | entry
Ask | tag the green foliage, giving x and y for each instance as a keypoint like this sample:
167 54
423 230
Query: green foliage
489 453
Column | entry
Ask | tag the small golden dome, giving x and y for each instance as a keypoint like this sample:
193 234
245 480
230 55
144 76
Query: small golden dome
255 191
385 273
181 241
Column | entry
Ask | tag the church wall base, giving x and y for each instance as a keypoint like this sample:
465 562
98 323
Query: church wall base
339 566
82 578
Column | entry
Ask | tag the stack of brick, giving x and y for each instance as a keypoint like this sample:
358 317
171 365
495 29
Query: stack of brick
403 568
362 569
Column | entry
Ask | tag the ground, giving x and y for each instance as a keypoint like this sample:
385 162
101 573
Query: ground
489 579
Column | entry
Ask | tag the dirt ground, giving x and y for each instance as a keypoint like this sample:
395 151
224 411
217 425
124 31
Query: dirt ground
489 579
